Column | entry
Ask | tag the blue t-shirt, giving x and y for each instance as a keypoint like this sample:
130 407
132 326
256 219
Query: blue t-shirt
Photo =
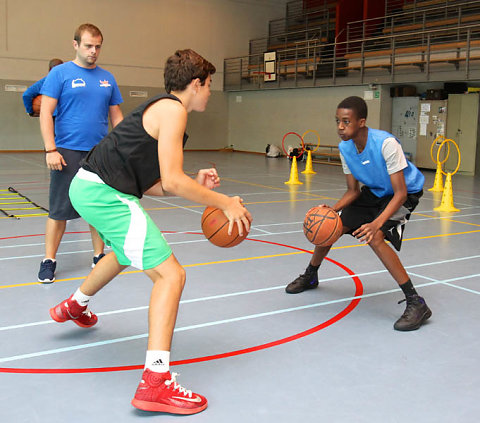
84 97
30 93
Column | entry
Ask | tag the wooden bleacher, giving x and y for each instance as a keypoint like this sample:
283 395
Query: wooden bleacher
424 4
426 34
326 154
414 56
432 24
413 44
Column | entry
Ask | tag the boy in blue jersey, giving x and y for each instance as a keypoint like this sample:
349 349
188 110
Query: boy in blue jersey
84 97
35 89
392 187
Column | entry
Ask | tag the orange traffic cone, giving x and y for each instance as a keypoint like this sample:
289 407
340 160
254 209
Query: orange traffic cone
447 198
294 174
308 166
438 182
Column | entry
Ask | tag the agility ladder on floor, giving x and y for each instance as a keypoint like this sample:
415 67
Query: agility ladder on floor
12 194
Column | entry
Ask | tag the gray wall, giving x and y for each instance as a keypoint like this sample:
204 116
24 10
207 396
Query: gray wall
258 118
138 36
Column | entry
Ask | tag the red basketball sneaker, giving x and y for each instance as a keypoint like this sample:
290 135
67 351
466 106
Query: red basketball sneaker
71 310
161 392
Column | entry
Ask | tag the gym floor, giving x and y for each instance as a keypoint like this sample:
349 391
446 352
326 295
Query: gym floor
257 353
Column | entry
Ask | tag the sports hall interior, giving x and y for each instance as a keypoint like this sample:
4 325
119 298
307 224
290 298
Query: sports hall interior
257 353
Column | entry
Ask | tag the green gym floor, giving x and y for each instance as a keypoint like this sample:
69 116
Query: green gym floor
257 353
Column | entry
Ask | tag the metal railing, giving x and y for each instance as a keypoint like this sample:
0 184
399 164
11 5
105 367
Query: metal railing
300 26
297 7
400 6
288 39
426 55
451 14
301 22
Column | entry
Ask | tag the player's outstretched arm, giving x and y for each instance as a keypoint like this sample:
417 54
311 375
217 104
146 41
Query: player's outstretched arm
208 178
167 121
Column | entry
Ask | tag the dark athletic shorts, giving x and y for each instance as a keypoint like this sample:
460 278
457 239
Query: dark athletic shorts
59 203
368 206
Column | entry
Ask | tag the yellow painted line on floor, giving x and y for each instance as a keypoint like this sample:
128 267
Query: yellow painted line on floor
442 235
22 208
448 219
245 259
245 203
277 189
140 271
24 215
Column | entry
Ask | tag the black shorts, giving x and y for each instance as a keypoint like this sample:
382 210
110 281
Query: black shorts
59 202
368 206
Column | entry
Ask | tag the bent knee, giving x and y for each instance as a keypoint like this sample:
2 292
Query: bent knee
182 276
377 240
170 271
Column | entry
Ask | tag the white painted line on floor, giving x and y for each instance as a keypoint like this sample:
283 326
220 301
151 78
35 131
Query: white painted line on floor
42 243
201 325
220 322
447 282
256 291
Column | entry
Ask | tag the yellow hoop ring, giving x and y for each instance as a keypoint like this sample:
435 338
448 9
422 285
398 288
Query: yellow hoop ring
318 138
431 150
459 156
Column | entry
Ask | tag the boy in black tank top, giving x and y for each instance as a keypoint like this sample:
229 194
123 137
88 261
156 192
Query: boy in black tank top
106 191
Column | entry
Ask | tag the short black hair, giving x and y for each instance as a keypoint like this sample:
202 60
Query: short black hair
357 104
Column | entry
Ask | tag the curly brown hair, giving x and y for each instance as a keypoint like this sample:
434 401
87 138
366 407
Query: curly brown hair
183 67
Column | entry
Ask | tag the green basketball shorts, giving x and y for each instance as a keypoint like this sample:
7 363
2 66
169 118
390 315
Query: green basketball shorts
120 220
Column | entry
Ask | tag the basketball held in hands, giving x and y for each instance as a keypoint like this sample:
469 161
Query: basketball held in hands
215 229
322 226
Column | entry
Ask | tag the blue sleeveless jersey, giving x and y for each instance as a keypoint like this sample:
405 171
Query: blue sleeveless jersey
369 166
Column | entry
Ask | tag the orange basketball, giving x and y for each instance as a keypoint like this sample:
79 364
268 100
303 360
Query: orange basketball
215 229
322 226
36 104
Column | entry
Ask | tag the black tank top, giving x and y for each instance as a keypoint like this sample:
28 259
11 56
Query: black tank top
127 158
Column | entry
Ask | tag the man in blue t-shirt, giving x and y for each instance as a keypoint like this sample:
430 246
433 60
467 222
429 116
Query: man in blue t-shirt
35 89
378 210
84 97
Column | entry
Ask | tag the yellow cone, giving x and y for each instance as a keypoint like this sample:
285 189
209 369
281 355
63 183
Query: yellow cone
447 198
294 174
308 166
438 183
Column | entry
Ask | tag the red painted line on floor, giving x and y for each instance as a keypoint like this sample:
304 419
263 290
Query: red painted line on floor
26 236
87 232
351 306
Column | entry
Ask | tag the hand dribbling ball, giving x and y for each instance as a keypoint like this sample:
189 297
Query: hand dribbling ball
215 229
36 104
322 226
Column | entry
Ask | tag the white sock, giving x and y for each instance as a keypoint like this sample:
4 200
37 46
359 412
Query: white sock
81 298
158 361
48 259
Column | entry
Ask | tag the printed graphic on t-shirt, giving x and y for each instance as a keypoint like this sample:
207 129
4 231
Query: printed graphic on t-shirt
104 83
79 82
